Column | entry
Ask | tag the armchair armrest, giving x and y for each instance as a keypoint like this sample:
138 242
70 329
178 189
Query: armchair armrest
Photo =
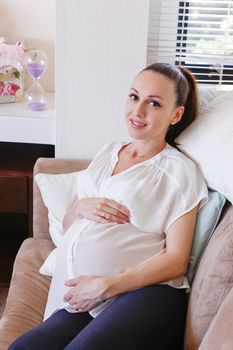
49 166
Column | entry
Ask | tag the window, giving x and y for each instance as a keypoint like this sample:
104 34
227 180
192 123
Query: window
196 34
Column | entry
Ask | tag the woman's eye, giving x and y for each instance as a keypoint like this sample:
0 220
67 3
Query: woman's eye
153 103
133 97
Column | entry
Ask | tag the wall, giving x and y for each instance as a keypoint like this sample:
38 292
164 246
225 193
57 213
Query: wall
100 46
34 22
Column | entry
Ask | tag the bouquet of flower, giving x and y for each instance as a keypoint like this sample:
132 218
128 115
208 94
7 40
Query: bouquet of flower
12 61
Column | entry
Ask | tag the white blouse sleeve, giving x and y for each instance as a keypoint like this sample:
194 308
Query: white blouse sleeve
186 190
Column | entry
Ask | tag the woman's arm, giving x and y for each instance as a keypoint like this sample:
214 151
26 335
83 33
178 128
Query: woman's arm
89 291
71 215
101 210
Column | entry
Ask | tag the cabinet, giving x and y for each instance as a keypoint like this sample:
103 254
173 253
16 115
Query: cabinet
23 139
13 193
16 176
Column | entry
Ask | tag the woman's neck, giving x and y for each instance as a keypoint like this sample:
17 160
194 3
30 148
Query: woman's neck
139 149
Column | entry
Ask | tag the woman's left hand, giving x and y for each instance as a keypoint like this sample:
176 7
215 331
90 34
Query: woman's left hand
86 293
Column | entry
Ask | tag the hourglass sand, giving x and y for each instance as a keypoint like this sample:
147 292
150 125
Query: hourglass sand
36 65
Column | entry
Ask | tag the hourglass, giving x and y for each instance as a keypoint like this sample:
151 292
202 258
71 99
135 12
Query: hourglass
36 65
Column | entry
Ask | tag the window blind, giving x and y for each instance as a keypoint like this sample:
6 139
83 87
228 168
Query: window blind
196 34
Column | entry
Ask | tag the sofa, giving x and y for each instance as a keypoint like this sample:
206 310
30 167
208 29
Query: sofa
209 324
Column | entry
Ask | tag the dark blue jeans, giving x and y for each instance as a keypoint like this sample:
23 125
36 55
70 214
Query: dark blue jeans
152 317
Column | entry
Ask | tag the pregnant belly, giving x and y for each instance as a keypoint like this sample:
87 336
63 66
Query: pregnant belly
112 248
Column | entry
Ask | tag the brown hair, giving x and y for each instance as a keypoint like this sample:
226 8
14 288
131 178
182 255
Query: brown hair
186 95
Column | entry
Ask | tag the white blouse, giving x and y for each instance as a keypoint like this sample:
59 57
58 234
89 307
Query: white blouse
157 192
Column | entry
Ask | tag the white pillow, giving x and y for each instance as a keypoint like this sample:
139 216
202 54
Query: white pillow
48 267
206 96
209 142
58 192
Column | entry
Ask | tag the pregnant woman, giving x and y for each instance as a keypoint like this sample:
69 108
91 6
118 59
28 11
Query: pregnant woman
119 281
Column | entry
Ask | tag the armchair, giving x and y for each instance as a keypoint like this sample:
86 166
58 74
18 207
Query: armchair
206 328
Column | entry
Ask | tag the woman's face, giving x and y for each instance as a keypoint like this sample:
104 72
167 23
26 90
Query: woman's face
150 107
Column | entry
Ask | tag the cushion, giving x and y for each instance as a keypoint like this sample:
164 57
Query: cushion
58 192
48 266
206 95
209 142
220 335
212 282
207 220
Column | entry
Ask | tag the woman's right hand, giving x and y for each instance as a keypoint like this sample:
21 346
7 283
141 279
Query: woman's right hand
103 210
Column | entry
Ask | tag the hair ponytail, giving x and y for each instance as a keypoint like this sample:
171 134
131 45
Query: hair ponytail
190 108
186 95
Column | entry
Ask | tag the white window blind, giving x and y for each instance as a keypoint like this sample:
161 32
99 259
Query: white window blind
196 34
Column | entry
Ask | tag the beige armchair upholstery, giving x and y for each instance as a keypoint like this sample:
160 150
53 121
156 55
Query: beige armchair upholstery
210 310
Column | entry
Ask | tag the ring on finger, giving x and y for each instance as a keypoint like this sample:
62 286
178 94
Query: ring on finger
103 215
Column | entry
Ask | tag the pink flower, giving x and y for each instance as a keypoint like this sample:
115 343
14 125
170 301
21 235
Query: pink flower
8 89
1 88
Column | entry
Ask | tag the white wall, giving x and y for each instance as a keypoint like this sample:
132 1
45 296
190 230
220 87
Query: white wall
33 22
101 45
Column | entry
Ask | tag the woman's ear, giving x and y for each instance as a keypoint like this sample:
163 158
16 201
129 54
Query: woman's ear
178 115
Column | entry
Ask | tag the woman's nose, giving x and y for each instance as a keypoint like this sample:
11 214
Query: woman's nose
140 110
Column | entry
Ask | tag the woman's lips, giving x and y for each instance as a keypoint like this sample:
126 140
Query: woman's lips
136 124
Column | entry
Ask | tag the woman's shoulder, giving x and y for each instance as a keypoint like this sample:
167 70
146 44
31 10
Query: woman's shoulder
112 146
182 176
179 168
105 154
178 159
107 149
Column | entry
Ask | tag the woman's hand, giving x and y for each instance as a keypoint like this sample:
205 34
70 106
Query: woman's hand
103 210
86 292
